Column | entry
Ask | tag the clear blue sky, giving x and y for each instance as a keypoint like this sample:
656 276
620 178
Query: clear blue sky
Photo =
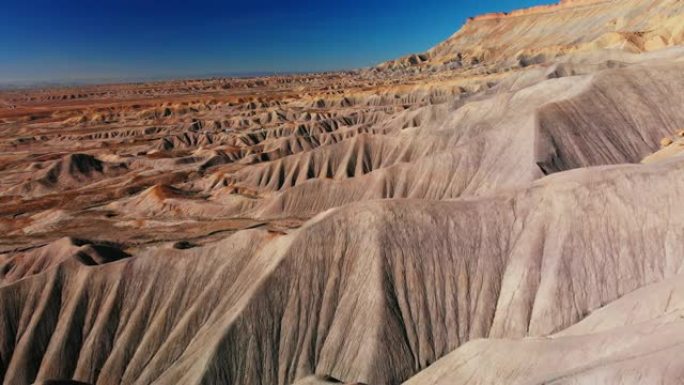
54 40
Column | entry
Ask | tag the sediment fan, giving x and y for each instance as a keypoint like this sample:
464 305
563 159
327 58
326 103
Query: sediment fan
496 210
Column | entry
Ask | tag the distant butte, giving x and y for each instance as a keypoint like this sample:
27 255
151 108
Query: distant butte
536 9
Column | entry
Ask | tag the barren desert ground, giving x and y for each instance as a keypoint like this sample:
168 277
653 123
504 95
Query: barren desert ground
505 208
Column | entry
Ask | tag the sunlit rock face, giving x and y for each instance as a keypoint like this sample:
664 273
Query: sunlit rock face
503 208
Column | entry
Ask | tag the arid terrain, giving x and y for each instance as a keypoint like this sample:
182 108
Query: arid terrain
505 208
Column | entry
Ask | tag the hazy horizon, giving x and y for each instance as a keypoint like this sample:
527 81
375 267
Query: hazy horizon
28 83
77 41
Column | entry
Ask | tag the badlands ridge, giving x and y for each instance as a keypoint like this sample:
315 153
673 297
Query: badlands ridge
505 208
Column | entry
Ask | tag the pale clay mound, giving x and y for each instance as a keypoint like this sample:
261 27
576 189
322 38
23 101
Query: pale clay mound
502 209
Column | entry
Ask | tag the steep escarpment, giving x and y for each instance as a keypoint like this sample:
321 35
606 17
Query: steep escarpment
539 34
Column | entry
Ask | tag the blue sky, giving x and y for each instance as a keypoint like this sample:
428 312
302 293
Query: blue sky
60 40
